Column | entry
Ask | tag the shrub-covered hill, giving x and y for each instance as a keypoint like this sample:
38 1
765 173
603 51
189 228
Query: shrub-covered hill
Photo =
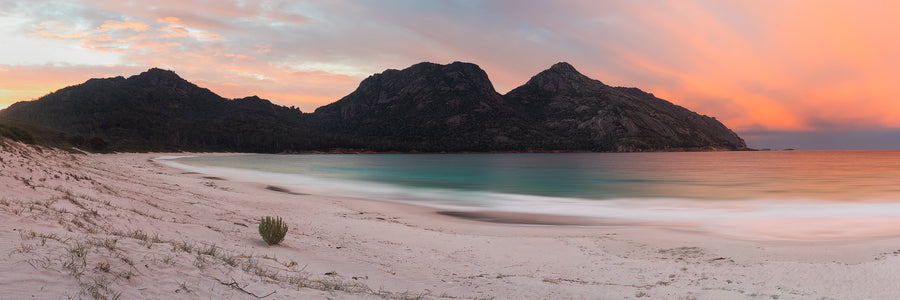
426 107
159 111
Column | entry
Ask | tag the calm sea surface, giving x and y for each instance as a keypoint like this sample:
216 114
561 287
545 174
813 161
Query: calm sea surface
802 194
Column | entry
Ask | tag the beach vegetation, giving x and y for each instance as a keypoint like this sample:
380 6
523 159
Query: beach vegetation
102 266
168 260
16 134
98 288
336 283
36 134
25 248
201 262
184 246
230 260
272 230
182 287
108 243
210 250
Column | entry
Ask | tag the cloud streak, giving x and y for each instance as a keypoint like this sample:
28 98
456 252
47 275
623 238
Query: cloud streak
755 65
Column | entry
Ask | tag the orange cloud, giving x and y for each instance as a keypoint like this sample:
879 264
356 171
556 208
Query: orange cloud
304 90
56 30
785 66
154 46
755 65
126 36
114 25
206 36
23 83
169 20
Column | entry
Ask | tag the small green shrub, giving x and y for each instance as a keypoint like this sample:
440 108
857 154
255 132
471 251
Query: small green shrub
272 230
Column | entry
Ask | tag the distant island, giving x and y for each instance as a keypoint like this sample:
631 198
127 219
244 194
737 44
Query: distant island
426 107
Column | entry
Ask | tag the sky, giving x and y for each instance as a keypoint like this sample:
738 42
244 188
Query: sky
782 74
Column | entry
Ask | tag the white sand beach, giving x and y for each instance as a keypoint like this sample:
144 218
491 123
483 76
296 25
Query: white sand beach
122 226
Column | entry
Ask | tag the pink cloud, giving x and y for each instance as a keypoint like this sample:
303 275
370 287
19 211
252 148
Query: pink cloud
796 65
56 30
175 31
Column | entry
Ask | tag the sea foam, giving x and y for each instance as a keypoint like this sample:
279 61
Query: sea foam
757 218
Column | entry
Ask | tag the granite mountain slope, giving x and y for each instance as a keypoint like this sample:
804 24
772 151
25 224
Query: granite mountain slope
426 107
577 112
158 110
454 107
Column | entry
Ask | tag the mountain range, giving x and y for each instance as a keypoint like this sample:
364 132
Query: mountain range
426 107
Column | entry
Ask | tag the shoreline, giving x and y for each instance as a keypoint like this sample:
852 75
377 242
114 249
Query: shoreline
146 214
366 151
751 219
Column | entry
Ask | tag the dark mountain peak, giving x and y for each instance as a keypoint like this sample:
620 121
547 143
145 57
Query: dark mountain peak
456 65
438 73
424 107
110 79
420 86
159 72
160 85
561 78
254 101
562 71
159 110
253 98
569 103
158 76
563 67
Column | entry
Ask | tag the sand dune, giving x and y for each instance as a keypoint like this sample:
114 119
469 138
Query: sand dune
123 226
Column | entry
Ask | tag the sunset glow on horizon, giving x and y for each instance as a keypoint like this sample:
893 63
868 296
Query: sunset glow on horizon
757 66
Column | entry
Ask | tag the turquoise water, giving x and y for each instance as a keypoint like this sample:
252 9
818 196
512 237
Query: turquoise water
799 186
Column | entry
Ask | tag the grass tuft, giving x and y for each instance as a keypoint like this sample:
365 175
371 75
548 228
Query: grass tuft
272 230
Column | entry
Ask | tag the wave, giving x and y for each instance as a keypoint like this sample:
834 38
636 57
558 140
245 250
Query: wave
758 218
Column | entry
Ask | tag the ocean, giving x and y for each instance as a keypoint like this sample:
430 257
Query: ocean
785 195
